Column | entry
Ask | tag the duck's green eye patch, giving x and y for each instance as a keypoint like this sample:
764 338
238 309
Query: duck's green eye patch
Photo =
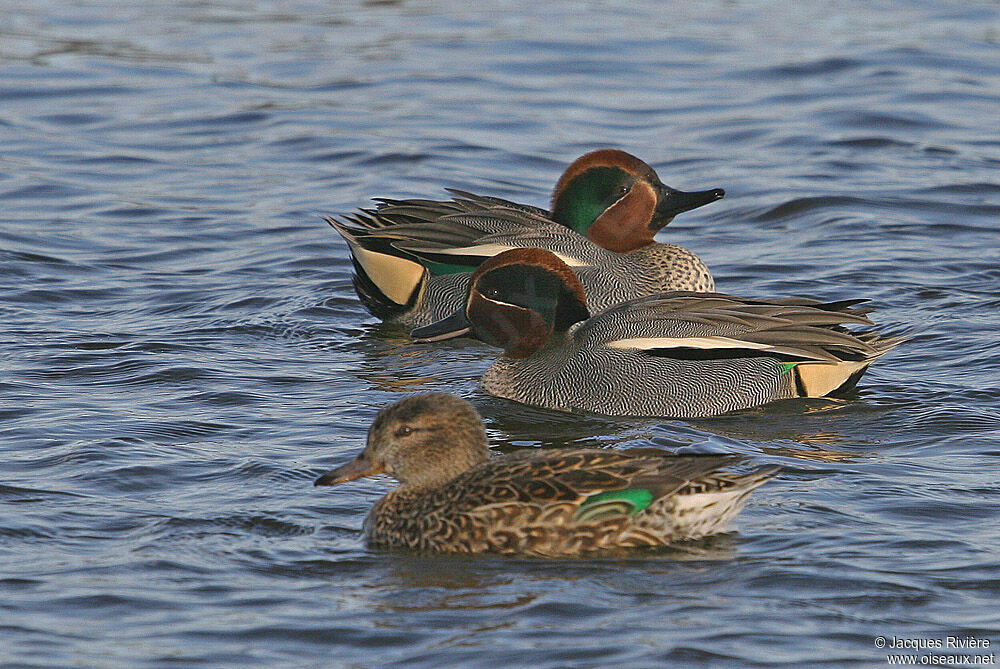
529 286
614 503
585 198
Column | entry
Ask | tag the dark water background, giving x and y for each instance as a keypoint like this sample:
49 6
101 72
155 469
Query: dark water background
181 351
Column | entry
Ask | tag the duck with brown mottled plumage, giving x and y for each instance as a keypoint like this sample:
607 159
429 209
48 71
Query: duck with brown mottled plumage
412 258
454 498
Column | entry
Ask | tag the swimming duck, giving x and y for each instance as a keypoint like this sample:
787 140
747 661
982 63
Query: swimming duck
413 258
679 355
454 498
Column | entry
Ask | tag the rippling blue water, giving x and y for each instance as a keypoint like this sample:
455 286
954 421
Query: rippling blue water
182 352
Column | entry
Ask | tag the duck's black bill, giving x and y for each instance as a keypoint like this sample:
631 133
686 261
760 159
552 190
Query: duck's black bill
357 468
673 202
456 325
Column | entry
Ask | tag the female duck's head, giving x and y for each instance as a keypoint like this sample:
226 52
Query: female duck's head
421 441
618 201
516 301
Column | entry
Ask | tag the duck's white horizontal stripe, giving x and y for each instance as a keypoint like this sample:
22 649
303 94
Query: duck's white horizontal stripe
490 250
648 343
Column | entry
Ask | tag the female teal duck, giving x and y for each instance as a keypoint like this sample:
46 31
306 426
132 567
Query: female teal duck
413 258
679 355
453 498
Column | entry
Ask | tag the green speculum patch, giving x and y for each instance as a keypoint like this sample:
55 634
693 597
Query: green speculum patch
614 502
439 268
587 196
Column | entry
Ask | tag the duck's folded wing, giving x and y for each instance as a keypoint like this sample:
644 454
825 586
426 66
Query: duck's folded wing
389 212
584 483
473 203
431 232
717 326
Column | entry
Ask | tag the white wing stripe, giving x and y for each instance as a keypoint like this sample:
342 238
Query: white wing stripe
647 343
489 250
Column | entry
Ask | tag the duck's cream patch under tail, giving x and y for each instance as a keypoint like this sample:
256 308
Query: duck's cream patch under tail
819 379
702 513
398 278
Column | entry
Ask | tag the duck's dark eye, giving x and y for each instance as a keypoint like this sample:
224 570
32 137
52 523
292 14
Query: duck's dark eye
492 293
623 191
404 431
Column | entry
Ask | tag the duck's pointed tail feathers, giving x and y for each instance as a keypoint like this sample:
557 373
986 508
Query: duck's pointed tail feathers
710 505
824 379
388 281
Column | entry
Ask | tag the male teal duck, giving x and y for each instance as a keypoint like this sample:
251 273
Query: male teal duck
454 498
679 355
413 258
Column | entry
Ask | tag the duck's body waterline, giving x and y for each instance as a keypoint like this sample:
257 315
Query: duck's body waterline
528 504
567 376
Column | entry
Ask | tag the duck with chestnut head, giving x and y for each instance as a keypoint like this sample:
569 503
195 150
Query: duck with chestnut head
413 258
676 355
454 498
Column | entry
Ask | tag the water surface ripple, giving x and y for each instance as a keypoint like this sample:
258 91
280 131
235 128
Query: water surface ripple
181 351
